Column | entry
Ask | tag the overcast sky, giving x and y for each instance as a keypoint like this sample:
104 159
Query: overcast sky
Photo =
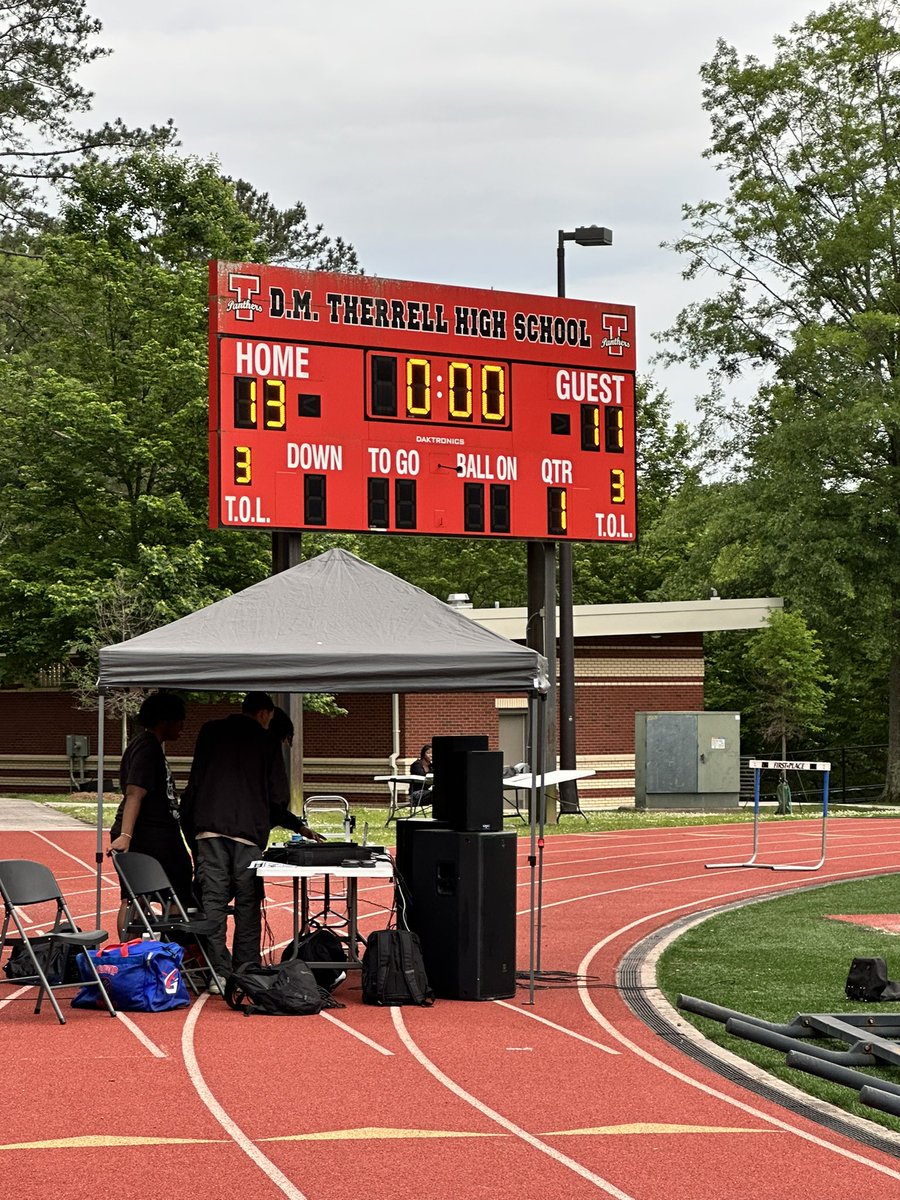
450 142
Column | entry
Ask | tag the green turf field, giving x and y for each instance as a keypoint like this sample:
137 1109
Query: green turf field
775 958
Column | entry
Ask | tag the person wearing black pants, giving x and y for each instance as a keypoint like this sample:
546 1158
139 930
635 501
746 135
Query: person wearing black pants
237 781
147 820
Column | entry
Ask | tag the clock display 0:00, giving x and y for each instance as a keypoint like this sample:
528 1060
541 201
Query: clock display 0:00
409 387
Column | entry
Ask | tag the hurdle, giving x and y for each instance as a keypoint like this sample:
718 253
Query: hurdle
760 765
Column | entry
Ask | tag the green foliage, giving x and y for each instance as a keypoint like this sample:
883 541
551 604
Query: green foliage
44 48
286 236
803 251
103 461
785 665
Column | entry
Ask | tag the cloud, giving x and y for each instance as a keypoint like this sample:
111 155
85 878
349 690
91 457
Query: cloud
450 143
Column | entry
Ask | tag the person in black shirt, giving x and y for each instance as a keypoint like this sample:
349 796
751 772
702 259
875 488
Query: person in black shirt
237 789
420 793
147 819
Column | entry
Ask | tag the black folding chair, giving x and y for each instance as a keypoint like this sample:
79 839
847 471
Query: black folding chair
147 885
23 883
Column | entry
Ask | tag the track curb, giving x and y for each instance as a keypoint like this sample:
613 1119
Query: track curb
637 985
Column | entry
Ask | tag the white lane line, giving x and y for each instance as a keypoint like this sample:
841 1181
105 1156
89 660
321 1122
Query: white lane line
631 868
355 1032
857 872
592 1009
559 1028
91 868
563 1159
334 1020
216 1110
16 995
141 1036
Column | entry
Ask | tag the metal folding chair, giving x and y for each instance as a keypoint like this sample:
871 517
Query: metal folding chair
323 804
338 804
24 883
147 885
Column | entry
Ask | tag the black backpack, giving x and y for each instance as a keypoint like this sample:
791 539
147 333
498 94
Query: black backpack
392 969
289 990
321 946
58 964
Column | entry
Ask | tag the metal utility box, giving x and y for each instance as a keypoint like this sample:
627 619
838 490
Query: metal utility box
687 760
77 745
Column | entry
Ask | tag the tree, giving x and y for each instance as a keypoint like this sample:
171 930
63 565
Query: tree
285 235
804 250
44 46
103 415
785 665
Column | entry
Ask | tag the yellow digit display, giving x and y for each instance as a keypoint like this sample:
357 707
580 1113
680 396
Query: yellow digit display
493 393
614 430
245 403
418 387
461 391
243 471
617 486
590 427
273 404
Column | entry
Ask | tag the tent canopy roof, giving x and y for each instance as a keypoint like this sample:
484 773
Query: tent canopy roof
332 624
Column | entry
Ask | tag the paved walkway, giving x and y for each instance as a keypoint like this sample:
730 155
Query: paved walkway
27 815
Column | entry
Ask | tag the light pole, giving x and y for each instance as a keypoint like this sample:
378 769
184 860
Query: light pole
584 235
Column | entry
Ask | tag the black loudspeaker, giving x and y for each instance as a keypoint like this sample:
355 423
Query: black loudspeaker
408 831
448 768
478 807
463 888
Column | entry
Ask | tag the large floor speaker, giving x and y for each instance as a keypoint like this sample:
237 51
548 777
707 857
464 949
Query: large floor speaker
463 890
448 766
408 830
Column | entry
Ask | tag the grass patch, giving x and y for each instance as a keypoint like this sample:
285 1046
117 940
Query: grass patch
775 958
83 807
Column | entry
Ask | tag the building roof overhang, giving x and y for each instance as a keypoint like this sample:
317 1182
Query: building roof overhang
624 620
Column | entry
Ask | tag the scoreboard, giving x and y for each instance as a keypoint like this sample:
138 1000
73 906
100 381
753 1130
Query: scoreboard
353 403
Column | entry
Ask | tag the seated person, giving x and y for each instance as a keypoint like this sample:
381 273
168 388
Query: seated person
419 793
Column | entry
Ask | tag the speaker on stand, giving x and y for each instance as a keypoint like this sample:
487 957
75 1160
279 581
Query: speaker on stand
448 766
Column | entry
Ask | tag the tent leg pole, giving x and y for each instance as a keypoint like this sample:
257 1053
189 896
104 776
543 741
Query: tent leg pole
542 800
532 858
101 721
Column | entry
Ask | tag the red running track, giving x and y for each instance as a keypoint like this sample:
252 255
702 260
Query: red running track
571 1097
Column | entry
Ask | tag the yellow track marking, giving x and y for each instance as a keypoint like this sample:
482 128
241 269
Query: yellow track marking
365 1133
374 1134
641 1127
102 1139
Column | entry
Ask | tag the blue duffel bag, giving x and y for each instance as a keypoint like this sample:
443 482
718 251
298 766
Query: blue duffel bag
140 976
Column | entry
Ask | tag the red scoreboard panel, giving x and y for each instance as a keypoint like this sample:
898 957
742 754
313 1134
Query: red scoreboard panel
345 402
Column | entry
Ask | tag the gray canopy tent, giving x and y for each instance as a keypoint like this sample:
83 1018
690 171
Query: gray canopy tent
332 624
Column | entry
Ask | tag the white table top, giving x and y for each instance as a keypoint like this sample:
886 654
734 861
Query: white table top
381 870
400 778
527 781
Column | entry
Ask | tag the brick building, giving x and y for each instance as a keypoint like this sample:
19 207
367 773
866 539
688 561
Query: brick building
629 658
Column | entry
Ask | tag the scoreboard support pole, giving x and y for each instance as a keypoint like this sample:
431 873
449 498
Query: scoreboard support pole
759 765
287 547
540 635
